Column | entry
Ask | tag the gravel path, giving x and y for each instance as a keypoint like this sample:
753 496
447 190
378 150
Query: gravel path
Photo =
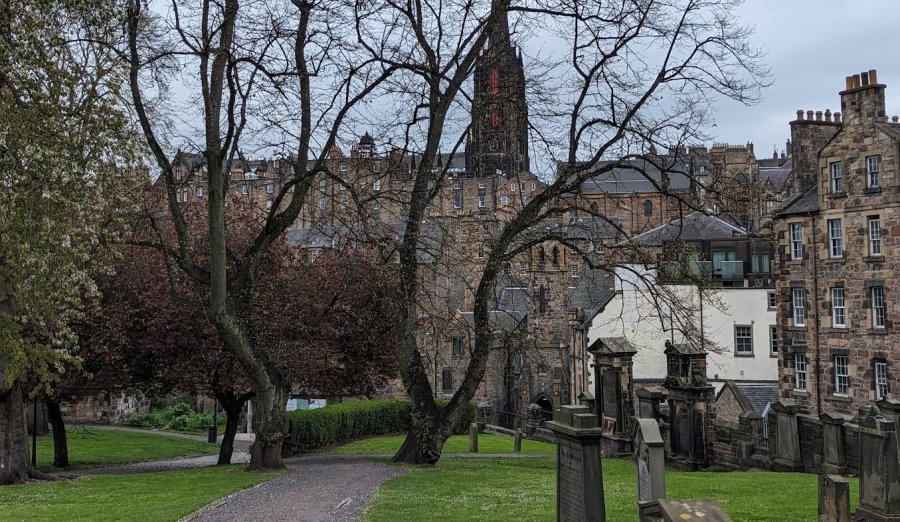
331 488
238 457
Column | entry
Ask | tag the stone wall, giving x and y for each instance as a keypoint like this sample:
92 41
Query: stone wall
103 408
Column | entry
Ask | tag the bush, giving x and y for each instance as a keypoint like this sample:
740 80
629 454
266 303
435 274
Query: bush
345 422
179 417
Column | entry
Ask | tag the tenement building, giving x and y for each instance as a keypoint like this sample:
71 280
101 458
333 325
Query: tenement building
837 255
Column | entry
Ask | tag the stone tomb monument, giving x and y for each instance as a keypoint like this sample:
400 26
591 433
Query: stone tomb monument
879 467
663 510
579 477
834 499
651 461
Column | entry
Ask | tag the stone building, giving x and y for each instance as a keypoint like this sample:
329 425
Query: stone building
837 255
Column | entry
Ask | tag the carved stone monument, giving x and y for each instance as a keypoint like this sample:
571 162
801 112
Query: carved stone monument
579 476
691 401
787 439
879 467
651 461
834 499
833 435
614 390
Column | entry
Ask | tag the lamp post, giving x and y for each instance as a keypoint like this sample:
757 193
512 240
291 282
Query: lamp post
213 435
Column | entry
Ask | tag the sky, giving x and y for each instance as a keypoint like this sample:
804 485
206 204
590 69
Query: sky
812 45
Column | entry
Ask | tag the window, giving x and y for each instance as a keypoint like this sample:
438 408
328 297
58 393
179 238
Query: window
595 208
835 238
648 208
760 263
376 166
796 241
322 203
480 253
542 300
838 313
482 183
743 340
873 168
841 375
199 192
270 188
504 200
837 177
343 200
376 185
555 259
770 206
800 371
343 166
178 175
457 199
533 186
482 201
458 349
244 189
874 236
512 187
573 270
447 381
798 300
773 302
376 205
876 293
881 380
457 184
773 339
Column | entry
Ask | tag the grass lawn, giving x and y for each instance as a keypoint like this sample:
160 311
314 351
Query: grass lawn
524 489
103 447
487 443
148 497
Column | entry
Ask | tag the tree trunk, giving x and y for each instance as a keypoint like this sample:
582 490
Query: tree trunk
269 427
232 404
427 431
14 465
60 441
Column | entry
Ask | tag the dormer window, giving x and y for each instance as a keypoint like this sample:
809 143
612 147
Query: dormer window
837 177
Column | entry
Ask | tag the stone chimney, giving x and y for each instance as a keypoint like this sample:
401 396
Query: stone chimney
809 133
863 99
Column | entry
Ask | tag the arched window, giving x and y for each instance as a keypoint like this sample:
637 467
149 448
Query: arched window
447 381
648 208
541 257
542 300
555 256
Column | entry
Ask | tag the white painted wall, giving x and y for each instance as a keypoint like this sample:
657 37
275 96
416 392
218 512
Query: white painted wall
634 314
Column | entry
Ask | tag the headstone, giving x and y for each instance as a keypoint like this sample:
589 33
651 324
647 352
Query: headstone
833 435
473 438
579 475
483 413
664 510
834 499
517 441
879 467
787 438
651 461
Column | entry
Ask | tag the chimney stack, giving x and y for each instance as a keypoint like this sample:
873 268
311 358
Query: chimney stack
863 101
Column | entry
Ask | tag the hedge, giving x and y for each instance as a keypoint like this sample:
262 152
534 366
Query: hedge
348 421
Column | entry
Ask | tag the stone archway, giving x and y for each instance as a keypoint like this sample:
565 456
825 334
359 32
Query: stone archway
546 405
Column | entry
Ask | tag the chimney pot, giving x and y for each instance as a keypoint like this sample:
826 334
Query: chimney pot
837 117
809 115
818 115
849 83
873 77
828 115
799 115
895 119
865 78
855 81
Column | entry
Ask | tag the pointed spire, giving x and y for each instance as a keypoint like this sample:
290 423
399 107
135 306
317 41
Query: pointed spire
500 35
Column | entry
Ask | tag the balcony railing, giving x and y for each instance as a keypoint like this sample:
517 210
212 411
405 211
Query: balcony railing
730 271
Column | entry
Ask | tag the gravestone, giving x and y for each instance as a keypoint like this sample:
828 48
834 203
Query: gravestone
651 461
834 499
473 438
787 439
664 510
579 476
833 442
517 441
879 467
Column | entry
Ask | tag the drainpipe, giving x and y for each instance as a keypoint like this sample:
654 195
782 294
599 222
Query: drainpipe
815 301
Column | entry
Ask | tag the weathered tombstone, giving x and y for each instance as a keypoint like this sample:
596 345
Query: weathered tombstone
517 441
664 510
879 467
691 402
651 461
834 499
473 438
579 476
833 435
787 439
483 413
535 419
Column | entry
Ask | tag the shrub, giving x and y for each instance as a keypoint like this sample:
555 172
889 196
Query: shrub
179 417
345 422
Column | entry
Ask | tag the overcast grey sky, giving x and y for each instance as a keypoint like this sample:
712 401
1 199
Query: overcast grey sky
812 46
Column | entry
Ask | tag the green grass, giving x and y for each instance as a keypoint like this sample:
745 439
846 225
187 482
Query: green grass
147 497
105 447
487 443
524 490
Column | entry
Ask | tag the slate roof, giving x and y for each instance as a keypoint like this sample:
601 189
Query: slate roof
504 322
802 204
430 238
592 291
891 129
513 299
684 349
696 226
612 345
589 227
759 395
778 177
636 176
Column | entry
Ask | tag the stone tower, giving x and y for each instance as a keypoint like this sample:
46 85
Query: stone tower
498 137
